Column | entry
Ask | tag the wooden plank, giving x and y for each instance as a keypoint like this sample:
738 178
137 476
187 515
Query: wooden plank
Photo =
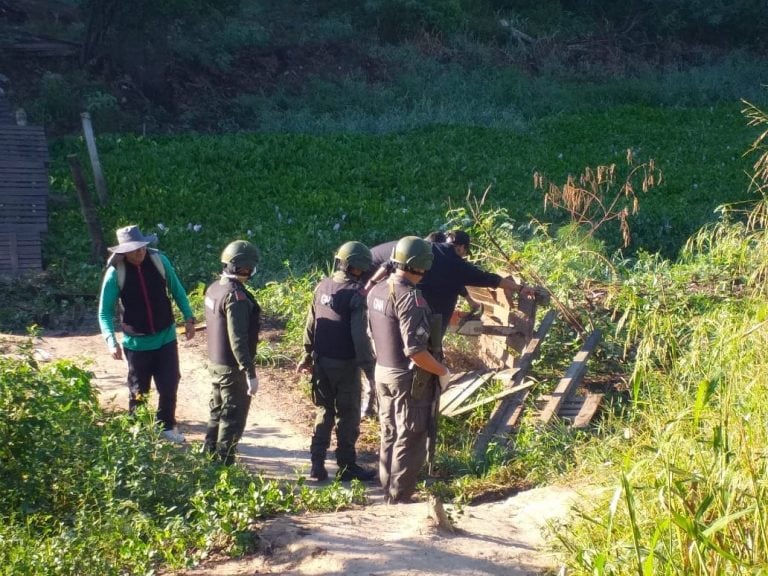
588 409
510 409
23 191
22 207
498 396
29 226
14 211
10 161
579 409
31 202
12 179
486 296
505 416
458 382
37 223
507 376
26 171
572 378
26 251
22 234
457 393
23 188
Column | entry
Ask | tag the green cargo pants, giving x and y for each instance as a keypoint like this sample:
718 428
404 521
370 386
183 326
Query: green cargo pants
336 395
229 406
404 424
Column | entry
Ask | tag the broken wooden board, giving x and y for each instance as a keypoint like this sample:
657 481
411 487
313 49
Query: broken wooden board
572 378
503 394
507 413
462 388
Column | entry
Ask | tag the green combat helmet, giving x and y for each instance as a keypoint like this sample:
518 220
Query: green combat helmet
240 254
412 253
354 255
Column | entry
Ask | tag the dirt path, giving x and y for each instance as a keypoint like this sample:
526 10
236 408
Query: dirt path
500 538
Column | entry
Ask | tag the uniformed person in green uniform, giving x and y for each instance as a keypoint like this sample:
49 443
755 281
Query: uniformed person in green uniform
399 320
336 349
232 316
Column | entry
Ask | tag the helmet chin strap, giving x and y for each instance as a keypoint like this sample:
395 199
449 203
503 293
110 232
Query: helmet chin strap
231 272
405 268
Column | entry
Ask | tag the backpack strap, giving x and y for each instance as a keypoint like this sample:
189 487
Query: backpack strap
118 261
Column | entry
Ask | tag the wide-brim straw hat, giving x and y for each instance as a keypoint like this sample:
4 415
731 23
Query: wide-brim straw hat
130 238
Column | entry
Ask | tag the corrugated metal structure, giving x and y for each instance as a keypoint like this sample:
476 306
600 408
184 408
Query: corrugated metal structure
23 195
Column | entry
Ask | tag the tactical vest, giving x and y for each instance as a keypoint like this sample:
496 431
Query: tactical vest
219 347
146 308
333 336
385 326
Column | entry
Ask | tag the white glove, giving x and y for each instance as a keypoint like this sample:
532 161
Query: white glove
253 385
445 380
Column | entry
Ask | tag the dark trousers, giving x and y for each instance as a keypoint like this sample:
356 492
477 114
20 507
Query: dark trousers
336 395
404 422
162 365
229 407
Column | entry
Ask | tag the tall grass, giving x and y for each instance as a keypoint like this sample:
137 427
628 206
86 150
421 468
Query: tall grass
688 481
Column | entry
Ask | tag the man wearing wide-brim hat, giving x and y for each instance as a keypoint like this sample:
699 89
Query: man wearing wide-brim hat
141 279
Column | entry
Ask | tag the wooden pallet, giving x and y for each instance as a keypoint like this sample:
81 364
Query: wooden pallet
510 357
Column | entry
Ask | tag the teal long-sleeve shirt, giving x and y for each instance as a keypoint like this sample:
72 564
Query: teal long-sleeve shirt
110 293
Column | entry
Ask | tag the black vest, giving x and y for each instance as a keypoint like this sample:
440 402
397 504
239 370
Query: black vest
333 334
385 325
219 347
144 314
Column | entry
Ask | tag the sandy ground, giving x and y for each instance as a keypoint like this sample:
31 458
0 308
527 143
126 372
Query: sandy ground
499 538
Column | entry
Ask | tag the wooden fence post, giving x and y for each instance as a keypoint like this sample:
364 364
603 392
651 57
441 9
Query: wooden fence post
93 153
98 249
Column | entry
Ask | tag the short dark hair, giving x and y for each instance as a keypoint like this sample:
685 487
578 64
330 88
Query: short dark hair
437 236
458 237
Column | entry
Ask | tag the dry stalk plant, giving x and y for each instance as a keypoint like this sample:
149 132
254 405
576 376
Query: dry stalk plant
597 198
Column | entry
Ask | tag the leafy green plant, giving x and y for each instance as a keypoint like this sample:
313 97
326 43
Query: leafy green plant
111 497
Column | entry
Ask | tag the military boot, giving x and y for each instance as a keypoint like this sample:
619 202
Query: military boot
355 472
318 471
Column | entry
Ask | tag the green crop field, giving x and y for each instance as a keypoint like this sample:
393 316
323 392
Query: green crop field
298 197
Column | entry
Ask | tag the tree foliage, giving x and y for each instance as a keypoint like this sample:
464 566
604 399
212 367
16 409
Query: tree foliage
137 36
